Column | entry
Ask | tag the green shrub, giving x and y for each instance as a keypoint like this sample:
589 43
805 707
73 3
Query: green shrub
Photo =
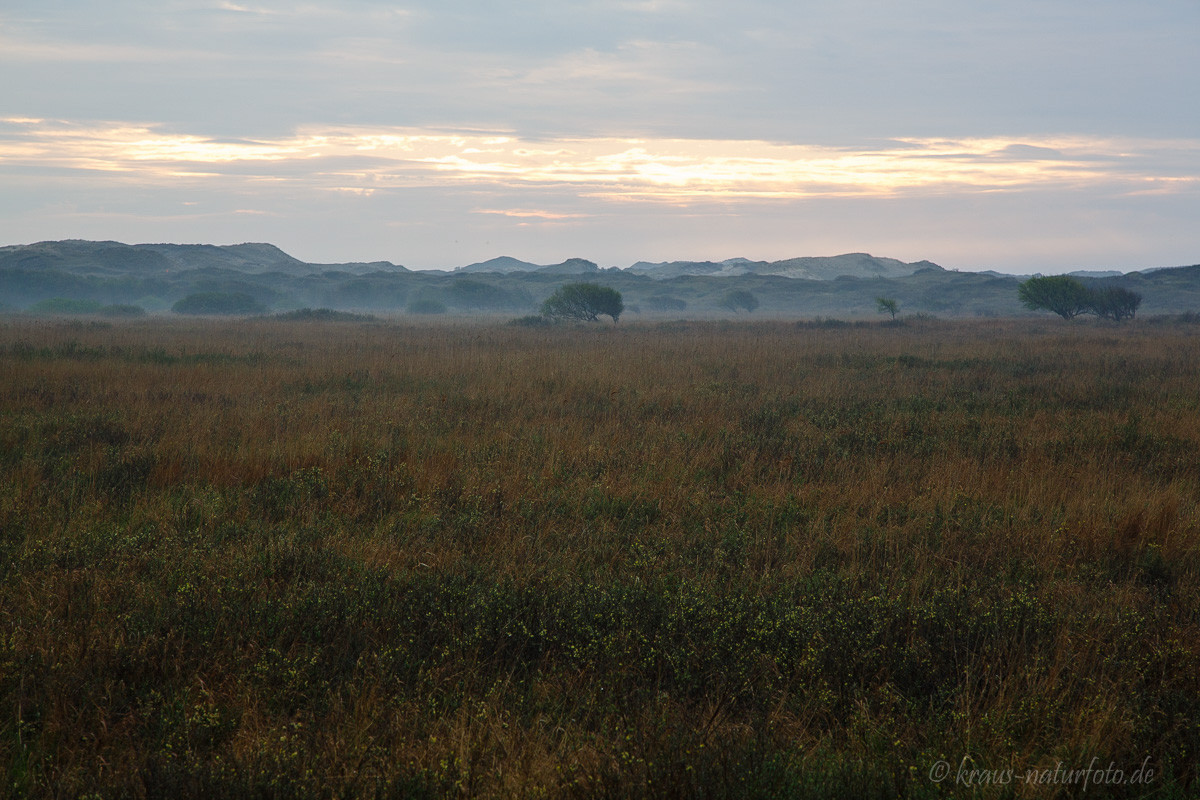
426 306
122 310
477 295
1068 297
531 321
323 315
1115 303
65 305
665 302
218 303
737 300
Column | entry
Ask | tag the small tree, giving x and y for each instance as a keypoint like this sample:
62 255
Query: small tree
665 302
1061 294
887 305
584 301
1115 303
739 300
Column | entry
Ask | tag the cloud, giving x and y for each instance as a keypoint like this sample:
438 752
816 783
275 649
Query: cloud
43 51
363 159
531 213
1030 152
820 71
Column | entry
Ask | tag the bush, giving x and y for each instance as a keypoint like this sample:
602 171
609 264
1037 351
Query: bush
426 306
826 322
218 303
531 321
65 305
583 301
1068 297
122 310
737 300
665 302
378 292
1115 303
477 295
323 315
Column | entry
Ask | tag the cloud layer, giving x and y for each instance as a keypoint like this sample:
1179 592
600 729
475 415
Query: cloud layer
681 171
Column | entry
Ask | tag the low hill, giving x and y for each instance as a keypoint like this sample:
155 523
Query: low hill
858 265
115 258
506 264
249 257
84 257
501 265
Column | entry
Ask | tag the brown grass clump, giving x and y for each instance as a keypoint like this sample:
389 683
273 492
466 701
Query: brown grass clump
696 559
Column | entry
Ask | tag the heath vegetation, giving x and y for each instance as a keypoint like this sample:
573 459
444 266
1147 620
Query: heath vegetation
345 558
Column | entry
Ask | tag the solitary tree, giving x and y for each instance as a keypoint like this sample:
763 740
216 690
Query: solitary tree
739 300
583 301
887 305
1062 294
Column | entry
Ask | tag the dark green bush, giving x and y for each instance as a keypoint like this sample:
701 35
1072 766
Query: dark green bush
426 306
65 305
323 315
531 321
739 300
665 302
479 296
1068 297
218 303
1115 303
122 310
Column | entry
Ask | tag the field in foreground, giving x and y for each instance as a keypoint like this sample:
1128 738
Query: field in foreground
268 559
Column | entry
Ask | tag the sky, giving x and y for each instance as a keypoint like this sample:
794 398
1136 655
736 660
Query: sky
1020 136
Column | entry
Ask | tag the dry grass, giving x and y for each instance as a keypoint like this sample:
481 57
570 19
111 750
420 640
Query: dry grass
365 559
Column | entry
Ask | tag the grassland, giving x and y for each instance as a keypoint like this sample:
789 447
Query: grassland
356 559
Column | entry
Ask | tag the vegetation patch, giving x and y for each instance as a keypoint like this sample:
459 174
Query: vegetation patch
323 315
426 306
65 305
219 303
584 302
739 559
532 321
